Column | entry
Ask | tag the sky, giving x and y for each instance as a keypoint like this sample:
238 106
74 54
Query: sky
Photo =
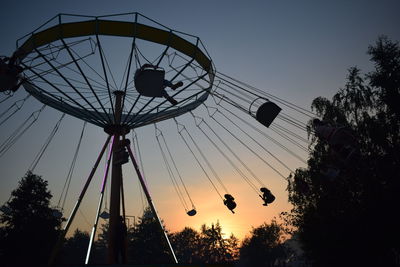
296 50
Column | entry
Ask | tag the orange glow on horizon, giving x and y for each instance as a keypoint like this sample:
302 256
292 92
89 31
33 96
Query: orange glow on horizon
249 212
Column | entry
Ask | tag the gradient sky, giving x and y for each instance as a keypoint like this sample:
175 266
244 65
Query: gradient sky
296 50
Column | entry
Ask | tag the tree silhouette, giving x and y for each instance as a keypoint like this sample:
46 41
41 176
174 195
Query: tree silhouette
99 250
264 246
232 248
75 247
146 244
348 219
187 245
29 227
214 248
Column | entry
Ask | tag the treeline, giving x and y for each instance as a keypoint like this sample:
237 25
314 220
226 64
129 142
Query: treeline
145 245
30 227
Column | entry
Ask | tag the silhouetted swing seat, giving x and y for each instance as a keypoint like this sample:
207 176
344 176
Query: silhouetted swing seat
301 185
340 139
267 196
229 202
57 213
9 76
267 112
331 172
150 81
191 212
104 215
5 209
333 135
121 156
121 153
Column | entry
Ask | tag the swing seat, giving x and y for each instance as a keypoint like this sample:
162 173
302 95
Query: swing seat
331 173
301 185
191 212
268 200
9 77
105 215
6 210
349 155
267 112
231 205
121 156
229 202
150 82
57 213
335 136
267 196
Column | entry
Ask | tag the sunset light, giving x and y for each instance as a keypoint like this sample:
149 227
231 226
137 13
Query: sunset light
254 133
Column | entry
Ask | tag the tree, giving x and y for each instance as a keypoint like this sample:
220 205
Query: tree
214 248
29 227
146 244
75 248
349 220
264 246
99 249
386 76
232 248
187 245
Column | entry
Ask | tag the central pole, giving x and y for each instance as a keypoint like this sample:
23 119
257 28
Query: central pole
114 235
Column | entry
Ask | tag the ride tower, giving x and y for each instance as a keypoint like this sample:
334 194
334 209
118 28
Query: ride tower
65 64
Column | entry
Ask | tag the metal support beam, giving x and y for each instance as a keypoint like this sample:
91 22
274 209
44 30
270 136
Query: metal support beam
76 207
103 186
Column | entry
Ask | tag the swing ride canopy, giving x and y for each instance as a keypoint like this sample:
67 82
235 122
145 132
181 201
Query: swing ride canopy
66 67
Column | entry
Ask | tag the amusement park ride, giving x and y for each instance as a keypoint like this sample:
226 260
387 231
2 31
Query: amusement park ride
167 74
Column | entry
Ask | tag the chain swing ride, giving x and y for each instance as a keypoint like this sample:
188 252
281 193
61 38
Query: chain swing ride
168 74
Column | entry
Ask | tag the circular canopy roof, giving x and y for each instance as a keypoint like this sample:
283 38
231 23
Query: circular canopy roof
75 64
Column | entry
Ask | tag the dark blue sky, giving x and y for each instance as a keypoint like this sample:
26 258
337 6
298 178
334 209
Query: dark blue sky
297 50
